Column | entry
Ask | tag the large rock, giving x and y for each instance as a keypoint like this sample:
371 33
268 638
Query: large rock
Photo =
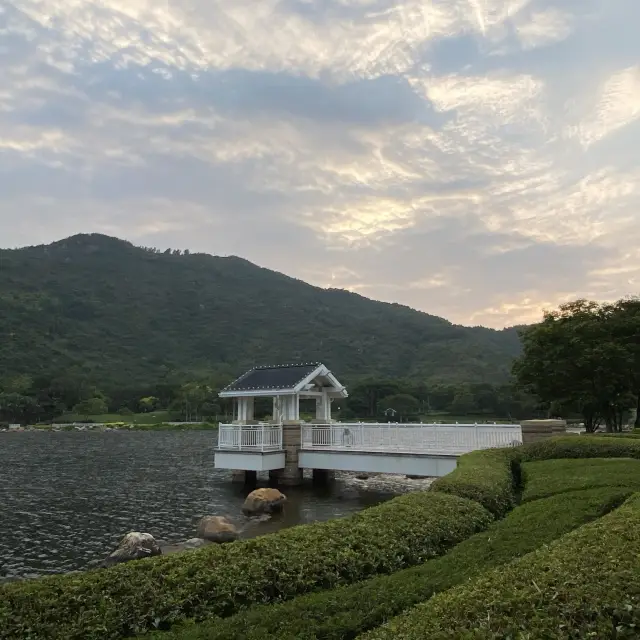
216 529
263 501
134 546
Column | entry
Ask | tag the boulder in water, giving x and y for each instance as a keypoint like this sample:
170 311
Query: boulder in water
134 546
216 529
263 501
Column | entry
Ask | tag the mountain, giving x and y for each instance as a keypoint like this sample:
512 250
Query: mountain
123 314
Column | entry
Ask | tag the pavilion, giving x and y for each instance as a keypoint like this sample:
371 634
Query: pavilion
287 385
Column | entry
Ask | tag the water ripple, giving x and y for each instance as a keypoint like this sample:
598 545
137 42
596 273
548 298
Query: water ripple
66 499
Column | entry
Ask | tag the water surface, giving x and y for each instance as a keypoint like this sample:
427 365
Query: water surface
66 498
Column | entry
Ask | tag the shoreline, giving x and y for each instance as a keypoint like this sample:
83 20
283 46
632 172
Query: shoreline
114 426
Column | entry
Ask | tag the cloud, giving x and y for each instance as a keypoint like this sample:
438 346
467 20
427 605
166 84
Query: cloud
477 159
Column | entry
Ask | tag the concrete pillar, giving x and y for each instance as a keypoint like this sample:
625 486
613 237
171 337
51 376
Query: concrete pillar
291 475
535 430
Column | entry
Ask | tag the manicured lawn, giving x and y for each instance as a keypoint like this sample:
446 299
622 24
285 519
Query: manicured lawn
550 477
343 613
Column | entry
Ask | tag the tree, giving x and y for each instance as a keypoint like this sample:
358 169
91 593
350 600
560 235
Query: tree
403 405
463 403
148 404
192 397
15 407
365 397
576 357
626 317
91 407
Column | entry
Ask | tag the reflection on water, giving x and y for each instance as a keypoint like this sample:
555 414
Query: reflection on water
66 499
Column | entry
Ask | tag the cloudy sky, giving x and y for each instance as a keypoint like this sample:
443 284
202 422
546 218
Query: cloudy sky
476 159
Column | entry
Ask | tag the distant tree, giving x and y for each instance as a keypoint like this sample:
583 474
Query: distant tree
463 403
404 405
15 407
148 404
91 407
364 397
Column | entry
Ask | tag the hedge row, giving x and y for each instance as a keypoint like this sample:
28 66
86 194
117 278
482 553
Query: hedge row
490 477
549 477
220 580
582 446
585 585
345 612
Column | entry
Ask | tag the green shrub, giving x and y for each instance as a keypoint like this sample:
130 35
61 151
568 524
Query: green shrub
634 435
490 477
343 613
549 477
222 579
584 446
585 585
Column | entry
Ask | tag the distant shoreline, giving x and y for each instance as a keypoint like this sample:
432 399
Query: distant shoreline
117 426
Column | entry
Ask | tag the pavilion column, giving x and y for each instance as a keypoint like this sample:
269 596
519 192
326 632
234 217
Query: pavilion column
245 409
290 407
323 408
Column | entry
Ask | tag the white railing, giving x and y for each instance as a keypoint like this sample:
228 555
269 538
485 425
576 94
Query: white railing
409 438
250 437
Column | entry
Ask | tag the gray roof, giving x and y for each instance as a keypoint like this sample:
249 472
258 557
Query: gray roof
273 377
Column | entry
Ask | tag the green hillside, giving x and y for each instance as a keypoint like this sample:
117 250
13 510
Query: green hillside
123 315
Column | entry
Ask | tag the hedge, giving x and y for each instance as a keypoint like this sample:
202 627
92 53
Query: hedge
343 613
581 446
549 477
585 585
222 579
490 477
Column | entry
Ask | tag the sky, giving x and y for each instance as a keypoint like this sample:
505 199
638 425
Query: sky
475 159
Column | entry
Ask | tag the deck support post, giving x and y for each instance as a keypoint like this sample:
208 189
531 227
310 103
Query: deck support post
244 477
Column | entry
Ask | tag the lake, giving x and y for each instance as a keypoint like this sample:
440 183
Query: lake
67 498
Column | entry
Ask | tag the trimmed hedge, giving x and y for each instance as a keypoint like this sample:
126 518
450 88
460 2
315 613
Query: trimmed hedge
343 613
549 477
585 585
583 446
222 579
490 477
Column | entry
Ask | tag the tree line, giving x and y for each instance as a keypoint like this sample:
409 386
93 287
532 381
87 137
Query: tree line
27 400
582 360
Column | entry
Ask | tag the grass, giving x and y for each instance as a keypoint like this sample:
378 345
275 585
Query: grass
344 613
549 477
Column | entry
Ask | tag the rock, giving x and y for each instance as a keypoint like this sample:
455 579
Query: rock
216 529
187 545
415 477
362 476
134 546
263 501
